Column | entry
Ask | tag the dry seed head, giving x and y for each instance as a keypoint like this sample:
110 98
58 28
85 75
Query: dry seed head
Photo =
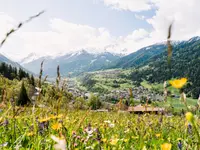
58 76
165 84
183 97
41 72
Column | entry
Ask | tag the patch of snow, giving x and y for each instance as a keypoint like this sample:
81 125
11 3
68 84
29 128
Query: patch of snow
108 60
92 61
148 47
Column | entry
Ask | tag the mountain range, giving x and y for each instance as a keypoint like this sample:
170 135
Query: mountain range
81 61
185 53
73 63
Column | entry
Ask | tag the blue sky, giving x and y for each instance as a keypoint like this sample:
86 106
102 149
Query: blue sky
91 12
96 25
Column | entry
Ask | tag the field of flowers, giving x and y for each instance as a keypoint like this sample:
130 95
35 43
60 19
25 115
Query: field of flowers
53 126
50 123
40 128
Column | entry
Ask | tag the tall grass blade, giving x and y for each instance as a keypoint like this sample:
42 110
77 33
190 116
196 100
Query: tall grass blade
169 47
19 26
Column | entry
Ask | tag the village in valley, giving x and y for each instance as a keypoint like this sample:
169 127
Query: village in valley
113 97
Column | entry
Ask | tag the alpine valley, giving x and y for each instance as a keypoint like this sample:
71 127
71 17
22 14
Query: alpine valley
148 63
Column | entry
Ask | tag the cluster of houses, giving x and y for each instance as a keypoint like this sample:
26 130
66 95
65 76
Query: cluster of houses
80 93
138 93
108 73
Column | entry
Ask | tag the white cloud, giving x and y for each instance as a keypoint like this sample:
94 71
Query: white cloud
6 23
65 36
138 35
131 5
140 17
9 48
134 41
184 14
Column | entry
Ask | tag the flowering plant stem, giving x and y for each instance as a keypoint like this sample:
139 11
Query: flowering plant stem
197 133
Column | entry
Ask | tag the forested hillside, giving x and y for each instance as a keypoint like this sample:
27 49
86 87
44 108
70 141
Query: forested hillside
185 63
13 73
139 57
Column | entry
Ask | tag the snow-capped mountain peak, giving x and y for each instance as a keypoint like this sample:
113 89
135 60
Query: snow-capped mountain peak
76 61
31 57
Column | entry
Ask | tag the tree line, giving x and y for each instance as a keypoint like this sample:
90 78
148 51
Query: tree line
11 73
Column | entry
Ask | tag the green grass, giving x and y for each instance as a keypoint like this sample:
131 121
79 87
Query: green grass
159 87
174 102
32 128
146 85
115 130
107 82
178 104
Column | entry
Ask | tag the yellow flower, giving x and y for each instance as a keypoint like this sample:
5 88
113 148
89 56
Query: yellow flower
56 117
144 148
44 119
114 141
179 139
134 137
60 116
56 126
52 117
189 116
104 140
30 134
158 135
179 83
166 146
125 140
1 119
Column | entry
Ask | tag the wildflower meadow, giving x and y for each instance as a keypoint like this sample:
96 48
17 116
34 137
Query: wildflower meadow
37 113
